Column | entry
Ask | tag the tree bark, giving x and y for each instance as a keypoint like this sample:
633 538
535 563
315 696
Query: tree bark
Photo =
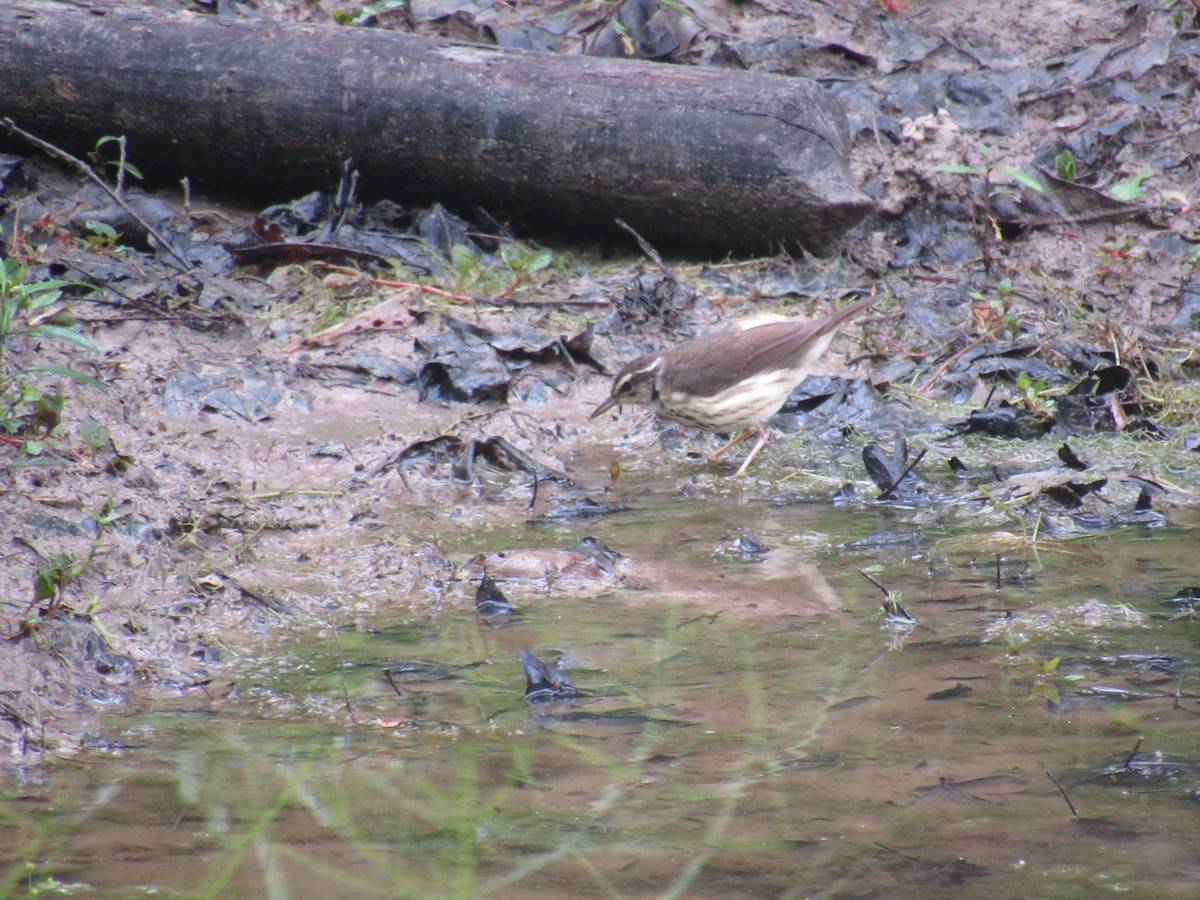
711 160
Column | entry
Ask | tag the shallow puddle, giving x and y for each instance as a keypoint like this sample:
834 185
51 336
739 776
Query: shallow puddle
744 728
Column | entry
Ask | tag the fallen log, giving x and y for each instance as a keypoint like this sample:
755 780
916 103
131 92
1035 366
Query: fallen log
711 160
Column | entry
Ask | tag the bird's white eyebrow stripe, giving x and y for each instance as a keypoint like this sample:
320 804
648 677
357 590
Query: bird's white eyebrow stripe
654 365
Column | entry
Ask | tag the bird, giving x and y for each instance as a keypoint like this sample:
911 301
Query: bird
731 381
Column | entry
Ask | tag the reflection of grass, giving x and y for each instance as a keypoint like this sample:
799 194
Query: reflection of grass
509 802
27 839
484 810
713 752
256 836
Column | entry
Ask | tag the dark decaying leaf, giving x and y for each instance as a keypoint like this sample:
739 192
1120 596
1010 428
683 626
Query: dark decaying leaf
462 455
502 454
950 693
544 682
742 544
604 556
909 869
12 172
580 347
577 509
1104 381
466 377
1070 201
1186 598
881 467
489 599
1069 459
1107 400
290 252
472 364
646 29
1005 420
1006 358
250 393
1071 493
442 231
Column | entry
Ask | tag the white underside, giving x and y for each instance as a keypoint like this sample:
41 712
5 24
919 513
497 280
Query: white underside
743 406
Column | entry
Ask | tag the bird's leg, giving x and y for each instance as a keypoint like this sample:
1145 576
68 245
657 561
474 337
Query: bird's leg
761 429
737 439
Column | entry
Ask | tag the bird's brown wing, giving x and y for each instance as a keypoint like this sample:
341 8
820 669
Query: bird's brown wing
701 367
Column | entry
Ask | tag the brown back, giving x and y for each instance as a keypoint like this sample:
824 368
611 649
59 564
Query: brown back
708 365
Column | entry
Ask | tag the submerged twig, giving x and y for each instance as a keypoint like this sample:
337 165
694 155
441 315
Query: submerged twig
875 581
337 642
1132 753
893 607
710 618
1061 790
387 673
907 471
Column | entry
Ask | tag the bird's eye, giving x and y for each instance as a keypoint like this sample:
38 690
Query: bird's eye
624 388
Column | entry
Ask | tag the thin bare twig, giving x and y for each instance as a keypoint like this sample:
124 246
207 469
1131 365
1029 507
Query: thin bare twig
648 249
337 640
875 581
907 471
1070 805
58 153
941 370
1132 753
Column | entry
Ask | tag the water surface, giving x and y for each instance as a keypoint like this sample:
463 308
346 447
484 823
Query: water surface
746 728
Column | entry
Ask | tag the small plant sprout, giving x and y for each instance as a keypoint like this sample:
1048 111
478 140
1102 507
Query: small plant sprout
1131 189
1013 650
1064 165
997 309
30 408
1044 686
475 273
524 261
1119 255
120 165
1044 669
55 574
987 173
103 236
1032 394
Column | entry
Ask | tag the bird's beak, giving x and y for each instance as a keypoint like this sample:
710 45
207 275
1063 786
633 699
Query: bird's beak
604 407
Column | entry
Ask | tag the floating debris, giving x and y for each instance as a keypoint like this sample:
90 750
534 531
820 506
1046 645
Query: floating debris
1088 614
741 544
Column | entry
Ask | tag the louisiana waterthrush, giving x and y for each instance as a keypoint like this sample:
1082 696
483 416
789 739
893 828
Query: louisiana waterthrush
731 381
